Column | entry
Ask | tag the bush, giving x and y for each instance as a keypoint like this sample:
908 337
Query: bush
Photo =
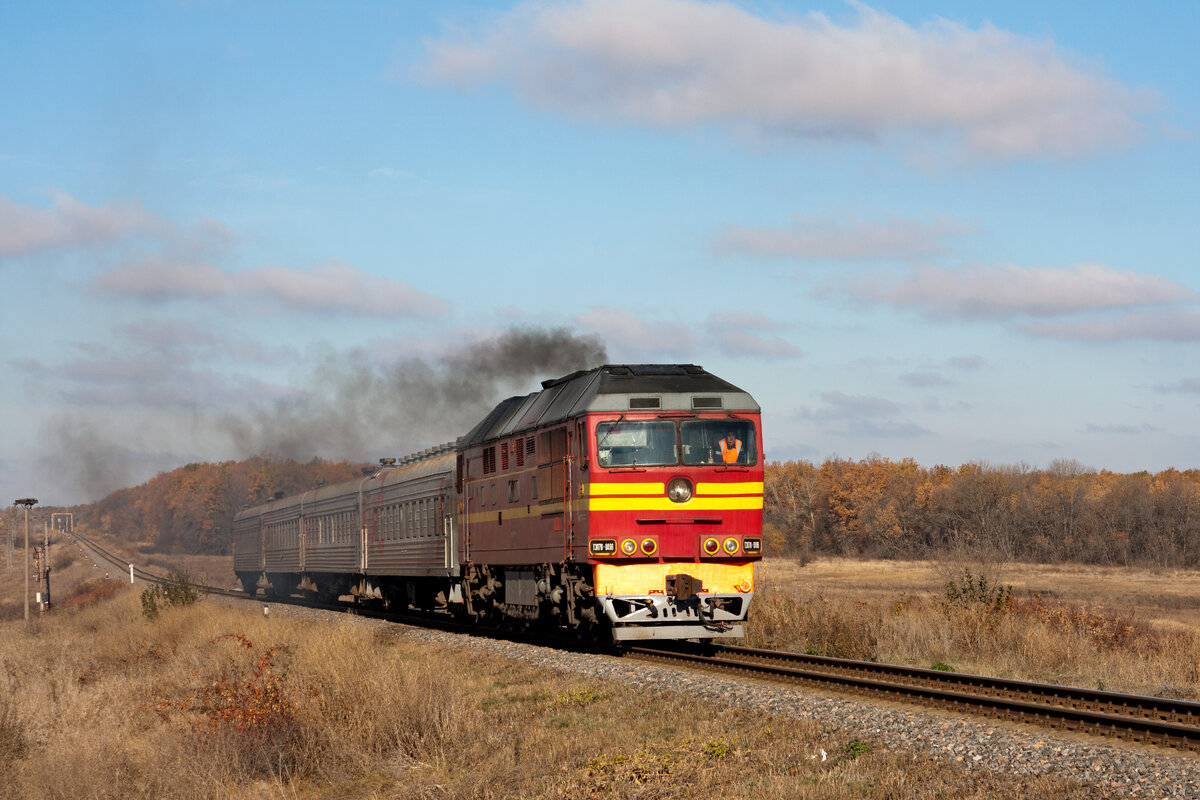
977 590
91 592
177 589
249 711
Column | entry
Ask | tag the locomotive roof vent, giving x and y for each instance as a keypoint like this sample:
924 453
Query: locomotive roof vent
708 402
387 462
636 403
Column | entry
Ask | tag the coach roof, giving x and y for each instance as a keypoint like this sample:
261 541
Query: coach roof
616 388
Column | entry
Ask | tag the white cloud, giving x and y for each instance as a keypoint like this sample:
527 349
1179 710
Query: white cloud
676 63
336 286
331 287
1008 291
1168 325
839 405
1122 430
924 379
68 223
862 415
158 279
745 334
1183 385
851 237
627 331
634 335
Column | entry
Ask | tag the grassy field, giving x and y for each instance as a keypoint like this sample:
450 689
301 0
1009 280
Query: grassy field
1121 629
208 700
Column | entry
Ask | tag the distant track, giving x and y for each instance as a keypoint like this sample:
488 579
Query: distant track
1152 720
124 565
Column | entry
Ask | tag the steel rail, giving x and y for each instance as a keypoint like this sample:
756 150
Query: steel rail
1152 720
111 558
1156 708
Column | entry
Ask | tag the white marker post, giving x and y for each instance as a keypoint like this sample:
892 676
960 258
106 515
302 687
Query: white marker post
131 573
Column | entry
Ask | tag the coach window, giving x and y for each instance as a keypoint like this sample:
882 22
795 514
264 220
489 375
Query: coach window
514 491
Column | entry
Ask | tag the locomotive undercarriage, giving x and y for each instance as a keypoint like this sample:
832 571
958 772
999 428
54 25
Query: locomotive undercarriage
547 596
538 596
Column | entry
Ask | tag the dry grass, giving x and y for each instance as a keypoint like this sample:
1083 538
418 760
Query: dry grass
214 701
1074 625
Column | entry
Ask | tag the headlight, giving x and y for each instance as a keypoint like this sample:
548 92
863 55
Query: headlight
629 547
731 545
679 490
711 546
649 546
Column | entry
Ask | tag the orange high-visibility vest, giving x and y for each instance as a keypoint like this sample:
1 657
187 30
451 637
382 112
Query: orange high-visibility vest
730 454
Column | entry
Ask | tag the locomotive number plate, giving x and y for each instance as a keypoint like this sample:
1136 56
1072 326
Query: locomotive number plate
603 547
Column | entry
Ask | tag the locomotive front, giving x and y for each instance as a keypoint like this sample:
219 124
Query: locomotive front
674 498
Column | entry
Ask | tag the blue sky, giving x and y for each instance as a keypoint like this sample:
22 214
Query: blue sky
957 231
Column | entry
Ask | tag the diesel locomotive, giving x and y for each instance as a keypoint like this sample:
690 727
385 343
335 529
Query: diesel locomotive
622 502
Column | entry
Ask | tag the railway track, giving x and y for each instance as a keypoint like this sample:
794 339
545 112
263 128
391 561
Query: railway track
1152 720
121 565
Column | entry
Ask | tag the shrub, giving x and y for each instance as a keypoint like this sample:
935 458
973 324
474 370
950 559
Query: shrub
177 589
977 590
1106 630
718 748
91 592
248 710
854 748
579 697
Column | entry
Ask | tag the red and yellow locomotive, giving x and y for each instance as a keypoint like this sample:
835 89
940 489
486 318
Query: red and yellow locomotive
623 501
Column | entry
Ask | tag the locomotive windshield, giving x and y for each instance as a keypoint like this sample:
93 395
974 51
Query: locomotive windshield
647 443
718 441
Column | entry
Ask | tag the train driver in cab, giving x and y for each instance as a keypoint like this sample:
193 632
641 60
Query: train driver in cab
731 448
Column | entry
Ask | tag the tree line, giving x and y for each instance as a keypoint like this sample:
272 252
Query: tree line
191 509
1067 512
872 507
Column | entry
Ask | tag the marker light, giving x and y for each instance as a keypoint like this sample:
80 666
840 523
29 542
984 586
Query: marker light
629 547
649 546
731 545
712 546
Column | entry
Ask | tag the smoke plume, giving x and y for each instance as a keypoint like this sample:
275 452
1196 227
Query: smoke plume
356 409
